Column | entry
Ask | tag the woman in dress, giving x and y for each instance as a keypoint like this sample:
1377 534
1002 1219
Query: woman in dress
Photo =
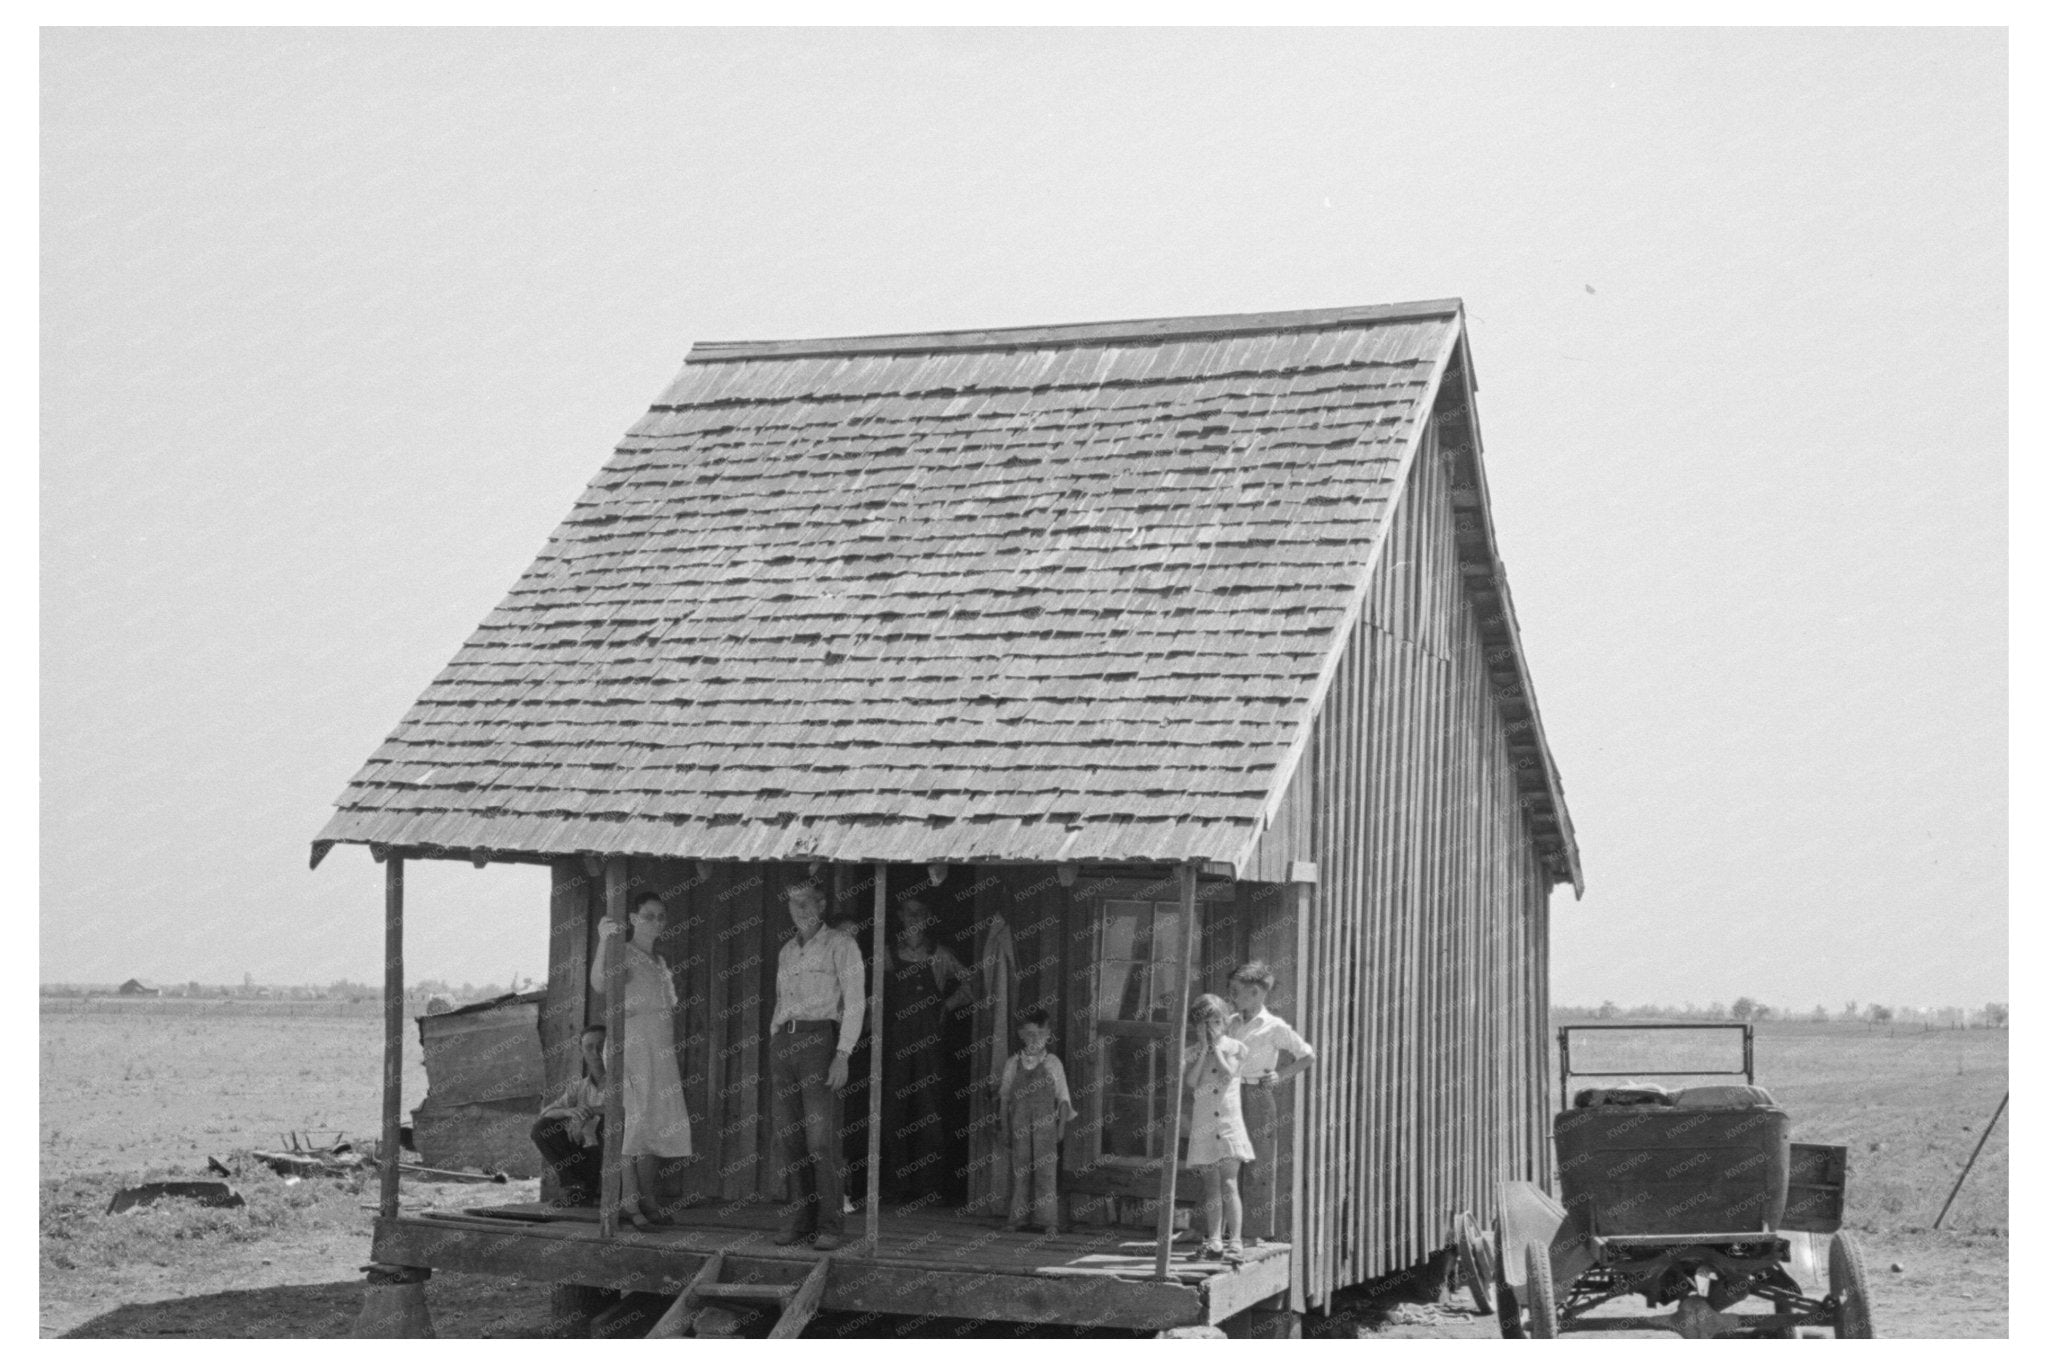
924 981
1217 1141
657 1124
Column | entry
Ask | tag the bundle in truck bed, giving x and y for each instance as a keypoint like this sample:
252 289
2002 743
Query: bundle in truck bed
1668 1170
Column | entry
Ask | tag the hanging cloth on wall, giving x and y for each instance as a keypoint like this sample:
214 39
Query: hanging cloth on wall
995 989
998 983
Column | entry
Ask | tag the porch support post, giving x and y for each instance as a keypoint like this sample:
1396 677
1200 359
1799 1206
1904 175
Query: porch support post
394 1029
872 1209
1169 1169
1297 1221
614 1050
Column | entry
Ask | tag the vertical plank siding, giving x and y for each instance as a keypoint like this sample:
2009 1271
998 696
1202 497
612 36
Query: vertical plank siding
1427 980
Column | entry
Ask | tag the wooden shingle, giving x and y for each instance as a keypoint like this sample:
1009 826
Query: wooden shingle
1049 593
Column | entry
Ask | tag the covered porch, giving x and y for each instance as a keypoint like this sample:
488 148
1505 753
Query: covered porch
1114 953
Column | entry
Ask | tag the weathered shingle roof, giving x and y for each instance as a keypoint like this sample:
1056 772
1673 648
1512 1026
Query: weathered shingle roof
1041 594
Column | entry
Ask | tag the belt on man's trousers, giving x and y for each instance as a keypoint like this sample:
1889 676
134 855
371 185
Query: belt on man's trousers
792 1025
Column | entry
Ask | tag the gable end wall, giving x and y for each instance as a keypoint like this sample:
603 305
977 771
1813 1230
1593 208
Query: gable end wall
1427 949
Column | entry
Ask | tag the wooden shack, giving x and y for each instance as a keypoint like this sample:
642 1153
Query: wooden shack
1136 649
485 1076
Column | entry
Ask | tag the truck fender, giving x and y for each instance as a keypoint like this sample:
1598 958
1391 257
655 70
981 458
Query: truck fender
1527 1214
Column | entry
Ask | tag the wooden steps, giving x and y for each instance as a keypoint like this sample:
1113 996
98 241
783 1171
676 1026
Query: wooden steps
795 1302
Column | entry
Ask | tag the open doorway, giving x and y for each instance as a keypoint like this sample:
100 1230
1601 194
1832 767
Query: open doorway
926 1072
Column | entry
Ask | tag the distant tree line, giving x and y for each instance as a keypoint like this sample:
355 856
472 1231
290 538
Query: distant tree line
1749 1010
344 989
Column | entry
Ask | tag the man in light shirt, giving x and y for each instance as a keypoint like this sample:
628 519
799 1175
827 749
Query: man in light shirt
570 1132
1266 1037
819 1001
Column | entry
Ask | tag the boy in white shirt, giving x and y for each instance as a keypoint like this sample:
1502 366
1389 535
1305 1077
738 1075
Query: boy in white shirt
1266 1037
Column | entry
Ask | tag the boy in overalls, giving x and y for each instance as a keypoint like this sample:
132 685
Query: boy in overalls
1033 1116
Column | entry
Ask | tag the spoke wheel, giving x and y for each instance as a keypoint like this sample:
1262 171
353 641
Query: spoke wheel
1475 1264
1542 1295
1851 1291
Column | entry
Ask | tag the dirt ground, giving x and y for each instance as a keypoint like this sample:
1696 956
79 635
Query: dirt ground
1952 1285
132 1085
132 1096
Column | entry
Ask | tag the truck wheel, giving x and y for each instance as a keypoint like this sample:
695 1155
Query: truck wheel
1506 1312
1507 1309
1851 1293
1542 1294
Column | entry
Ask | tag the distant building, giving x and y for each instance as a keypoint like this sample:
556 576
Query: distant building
133 987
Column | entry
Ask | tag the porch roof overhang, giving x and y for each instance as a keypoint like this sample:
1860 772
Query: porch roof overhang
1019 841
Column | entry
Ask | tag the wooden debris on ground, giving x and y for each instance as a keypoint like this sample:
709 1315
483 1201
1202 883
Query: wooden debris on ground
212 1194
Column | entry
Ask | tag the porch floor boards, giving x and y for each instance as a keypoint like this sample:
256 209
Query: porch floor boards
916 1238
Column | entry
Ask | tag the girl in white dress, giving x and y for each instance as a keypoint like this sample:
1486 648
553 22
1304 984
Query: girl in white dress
1217 1142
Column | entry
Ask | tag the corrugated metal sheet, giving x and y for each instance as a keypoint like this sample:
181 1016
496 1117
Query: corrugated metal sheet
1068 600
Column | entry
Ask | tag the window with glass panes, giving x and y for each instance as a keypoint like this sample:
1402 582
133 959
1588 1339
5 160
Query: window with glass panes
1137 1011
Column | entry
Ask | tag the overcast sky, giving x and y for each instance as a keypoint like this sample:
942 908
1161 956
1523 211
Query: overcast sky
336 324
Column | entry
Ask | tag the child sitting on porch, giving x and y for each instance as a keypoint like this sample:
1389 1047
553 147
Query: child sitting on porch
1217 1142
1032 1116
